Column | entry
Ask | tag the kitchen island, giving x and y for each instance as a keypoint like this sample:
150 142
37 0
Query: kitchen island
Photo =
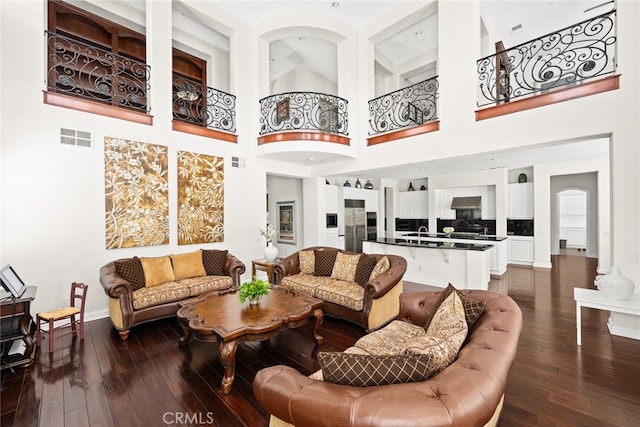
498 255
438 262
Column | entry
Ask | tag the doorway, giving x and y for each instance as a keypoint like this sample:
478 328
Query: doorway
572 222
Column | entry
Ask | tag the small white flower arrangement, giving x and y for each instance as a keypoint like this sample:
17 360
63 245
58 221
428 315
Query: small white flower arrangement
268 233
448 230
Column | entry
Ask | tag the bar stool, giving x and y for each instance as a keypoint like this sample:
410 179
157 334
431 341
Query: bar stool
78 292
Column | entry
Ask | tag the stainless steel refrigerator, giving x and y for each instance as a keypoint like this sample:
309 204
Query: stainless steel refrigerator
355 225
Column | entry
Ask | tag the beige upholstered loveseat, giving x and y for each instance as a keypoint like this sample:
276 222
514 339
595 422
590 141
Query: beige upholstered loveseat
468 392
362 288
149 288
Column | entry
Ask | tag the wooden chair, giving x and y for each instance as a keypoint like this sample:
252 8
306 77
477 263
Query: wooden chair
78 292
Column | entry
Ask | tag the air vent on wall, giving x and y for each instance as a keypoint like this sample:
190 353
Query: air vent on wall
237 162
77 137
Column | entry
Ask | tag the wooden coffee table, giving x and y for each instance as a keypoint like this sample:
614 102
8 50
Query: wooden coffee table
223 318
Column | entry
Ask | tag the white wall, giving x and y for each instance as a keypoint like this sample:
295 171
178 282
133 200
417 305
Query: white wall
52 227
303 80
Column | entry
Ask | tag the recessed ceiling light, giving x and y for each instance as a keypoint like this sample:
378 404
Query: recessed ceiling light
335 4
418 34
310 159
272 60
301 39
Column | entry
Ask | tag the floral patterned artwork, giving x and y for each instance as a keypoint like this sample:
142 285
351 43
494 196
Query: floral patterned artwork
136 193
200 198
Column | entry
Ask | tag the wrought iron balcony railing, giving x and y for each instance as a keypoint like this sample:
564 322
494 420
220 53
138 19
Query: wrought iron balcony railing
202 105
311 111
562 58
79 69
413 105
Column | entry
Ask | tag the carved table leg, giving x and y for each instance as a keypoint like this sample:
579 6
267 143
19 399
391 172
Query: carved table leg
184 340
319 315
228 359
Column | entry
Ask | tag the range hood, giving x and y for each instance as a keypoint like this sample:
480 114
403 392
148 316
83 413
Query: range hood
466 202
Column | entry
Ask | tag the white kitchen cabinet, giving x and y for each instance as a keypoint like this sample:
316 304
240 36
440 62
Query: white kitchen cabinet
520 249
446 196
332 238
413 204
332 198
489 202
521 201
370 197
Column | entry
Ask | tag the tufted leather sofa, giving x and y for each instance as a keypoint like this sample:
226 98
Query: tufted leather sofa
469 392
125 313
378 298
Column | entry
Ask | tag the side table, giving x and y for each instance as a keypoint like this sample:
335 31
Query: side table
264 265
595 299
17 326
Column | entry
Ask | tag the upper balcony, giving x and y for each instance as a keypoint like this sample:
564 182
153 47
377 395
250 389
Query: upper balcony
299 116
203 110
573 62
115 85
405 112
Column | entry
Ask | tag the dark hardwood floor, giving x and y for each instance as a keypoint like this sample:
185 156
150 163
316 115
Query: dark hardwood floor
150 381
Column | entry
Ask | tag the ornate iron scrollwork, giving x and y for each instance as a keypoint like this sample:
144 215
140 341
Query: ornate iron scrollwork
565 57
80 69
201 105
303 111
410 106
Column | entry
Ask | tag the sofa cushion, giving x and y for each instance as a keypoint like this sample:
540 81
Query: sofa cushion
381 266
188 265
344 267
473 308
157 270
391 339
307 261
198 285
325 259
346 294
446 333
365 370
366 264
304 283
213 261
131 271
159 294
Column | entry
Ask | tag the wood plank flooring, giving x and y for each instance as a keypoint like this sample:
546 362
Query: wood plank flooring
150 381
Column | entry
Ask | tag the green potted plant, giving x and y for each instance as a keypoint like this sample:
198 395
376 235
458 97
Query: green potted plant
253 290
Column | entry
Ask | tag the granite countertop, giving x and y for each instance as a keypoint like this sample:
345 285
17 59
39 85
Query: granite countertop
459 236
432 244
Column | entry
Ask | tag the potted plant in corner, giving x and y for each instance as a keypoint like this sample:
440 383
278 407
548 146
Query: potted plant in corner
253 290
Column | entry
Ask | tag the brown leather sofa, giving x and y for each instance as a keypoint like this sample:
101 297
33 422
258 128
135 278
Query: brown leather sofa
124 309
378 298
469 392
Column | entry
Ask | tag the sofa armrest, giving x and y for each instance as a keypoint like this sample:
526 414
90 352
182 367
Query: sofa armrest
379 286
117 287
234 268
286 267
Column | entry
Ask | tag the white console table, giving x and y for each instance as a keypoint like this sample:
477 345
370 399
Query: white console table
595 299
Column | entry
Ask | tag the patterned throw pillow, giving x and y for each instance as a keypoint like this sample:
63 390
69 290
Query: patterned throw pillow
381 266
473 308
324 262
131 271
157 270
366 264
307 261
446 333
344 268
363 370
213 261
188 265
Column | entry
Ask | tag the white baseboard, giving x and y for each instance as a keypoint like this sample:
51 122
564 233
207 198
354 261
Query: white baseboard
542 264
622 331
